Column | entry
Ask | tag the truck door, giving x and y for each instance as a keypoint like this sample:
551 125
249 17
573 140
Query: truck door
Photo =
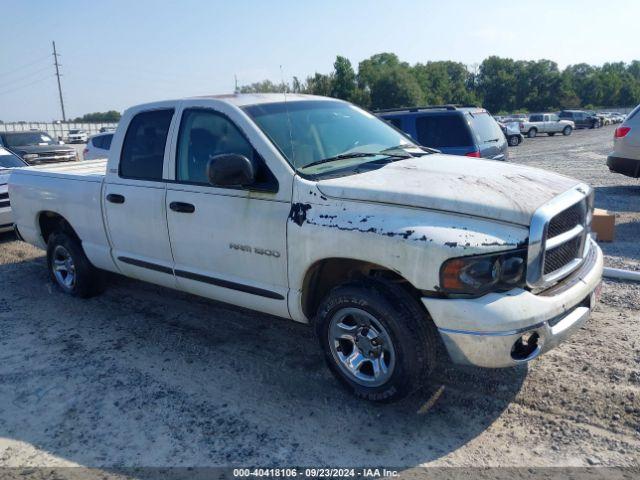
546 124
134 201
228 244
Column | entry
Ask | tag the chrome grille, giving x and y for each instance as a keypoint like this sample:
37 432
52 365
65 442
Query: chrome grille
566 220
559 237
558 257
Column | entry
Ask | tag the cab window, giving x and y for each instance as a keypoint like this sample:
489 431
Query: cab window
143 149
204 134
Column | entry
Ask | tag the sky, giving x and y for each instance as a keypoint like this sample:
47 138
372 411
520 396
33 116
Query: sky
115 53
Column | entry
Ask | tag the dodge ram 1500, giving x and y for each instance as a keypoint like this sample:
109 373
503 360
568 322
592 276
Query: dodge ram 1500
312 209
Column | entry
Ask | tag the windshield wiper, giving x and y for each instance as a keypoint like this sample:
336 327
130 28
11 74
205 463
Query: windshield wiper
411 145
344 156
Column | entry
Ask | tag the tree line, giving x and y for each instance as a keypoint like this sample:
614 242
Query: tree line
112 116
499 84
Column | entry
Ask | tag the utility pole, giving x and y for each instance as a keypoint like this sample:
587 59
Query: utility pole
57 65
236 90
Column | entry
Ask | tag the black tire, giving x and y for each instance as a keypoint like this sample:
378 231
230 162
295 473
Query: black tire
532 133
88 280
514 141
551 134
410 331
566 131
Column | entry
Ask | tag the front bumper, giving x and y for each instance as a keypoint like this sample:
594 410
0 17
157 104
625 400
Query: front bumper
486 331
625 166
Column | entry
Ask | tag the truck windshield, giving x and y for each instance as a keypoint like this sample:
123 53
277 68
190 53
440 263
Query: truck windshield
310 131
26 138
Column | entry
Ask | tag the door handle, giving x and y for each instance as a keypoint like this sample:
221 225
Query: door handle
182 207
115 198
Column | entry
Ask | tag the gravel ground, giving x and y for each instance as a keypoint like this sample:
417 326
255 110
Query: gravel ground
145 376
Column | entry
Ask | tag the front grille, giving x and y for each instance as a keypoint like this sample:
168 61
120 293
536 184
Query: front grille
558 257
566 220
559 237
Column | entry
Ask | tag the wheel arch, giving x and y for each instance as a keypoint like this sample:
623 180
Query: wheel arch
50 222
327 273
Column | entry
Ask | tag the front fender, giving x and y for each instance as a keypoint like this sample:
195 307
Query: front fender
409 241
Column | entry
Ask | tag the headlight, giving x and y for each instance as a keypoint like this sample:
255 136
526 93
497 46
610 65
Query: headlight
29 156
480 274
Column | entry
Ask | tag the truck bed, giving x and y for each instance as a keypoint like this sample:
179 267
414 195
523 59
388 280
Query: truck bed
72 190
91 170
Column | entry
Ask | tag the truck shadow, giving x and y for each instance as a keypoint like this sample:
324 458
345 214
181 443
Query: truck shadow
145 376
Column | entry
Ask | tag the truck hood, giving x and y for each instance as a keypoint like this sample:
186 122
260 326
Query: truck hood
481 188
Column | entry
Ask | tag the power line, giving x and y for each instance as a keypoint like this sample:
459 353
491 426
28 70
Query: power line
22 67
25 85
25 77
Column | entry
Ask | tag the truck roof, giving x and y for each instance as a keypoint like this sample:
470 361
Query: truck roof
244 99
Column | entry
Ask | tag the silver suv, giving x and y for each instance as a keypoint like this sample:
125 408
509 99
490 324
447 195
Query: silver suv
625 158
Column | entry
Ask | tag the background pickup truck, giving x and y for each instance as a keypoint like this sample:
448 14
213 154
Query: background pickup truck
37 147
312 209
548 123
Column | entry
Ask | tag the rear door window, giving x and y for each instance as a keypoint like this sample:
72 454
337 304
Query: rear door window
485 128
443 131
535 118
143 149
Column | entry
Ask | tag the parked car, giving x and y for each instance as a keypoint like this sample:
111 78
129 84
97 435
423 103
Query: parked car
312 209
8 161
625 158
548 123
469 131
580 118
36 147
517 117
618 117
107 129
77 136
97 146
512 133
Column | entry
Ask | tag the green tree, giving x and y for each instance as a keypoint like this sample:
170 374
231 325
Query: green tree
319 84
265 86
111 116
395 87
344 79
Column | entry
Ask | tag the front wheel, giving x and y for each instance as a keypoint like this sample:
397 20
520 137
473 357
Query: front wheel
567 131
377 339
69 267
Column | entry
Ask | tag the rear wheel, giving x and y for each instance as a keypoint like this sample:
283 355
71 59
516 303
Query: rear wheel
377 339
532 133
514 140
566 131
70 269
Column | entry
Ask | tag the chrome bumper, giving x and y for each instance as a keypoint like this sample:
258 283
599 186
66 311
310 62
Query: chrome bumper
487 331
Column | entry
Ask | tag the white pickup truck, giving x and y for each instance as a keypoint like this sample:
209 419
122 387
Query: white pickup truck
312 209
548 123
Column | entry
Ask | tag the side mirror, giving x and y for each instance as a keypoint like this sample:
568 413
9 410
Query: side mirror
231 170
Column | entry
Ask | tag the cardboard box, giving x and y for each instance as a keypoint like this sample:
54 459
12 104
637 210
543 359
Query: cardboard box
604 225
